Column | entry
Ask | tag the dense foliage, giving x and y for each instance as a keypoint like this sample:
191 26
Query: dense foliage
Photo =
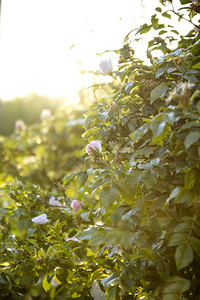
125 224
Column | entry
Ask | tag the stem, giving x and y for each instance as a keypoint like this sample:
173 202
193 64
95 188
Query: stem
180 16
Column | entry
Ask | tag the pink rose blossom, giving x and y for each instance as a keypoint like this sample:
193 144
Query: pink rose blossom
93 146
76 206
19 125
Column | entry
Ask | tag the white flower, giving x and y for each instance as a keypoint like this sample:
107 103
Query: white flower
96 292
72 239
93 146
41 219
106 67
54 281
54 202
46 113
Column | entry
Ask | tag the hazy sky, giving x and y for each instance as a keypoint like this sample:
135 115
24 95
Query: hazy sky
36 36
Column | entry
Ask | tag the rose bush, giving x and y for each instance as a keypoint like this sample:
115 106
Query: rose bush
133 231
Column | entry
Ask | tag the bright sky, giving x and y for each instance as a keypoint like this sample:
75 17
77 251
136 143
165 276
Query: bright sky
36 36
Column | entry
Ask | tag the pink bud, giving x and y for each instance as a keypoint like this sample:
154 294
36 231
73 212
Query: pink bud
76 206
196 29
93 146
19 125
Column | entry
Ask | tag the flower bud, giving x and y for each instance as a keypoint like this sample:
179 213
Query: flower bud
76 206
19 125
196 30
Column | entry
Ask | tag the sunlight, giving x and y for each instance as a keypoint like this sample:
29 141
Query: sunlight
45 45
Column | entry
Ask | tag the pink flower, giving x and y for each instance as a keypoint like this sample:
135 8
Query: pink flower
76 206
106 67
196 29
93 146
19 125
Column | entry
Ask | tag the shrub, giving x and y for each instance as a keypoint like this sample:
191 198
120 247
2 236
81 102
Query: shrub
128 227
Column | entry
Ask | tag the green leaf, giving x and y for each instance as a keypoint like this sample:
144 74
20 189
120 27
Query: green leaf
190 179
158 9
31 230
179 286
185 1
161 71
112 293
195 243
178 238
183 256
139 132
158 92
107 196
102 116
173 194
185 196
89 116
67 179
150 179
46 285
2 280
157 127
89 133
110 279
196 66
144 29
166 15
182 227
198 107
191 138
81 179
86 234
97 238
162 32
